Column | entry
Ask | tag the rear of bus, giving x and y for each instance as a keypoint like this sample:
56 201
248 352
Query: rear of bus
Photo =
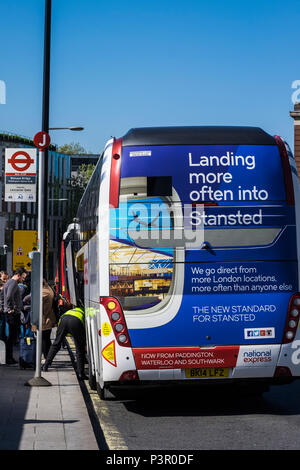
203 264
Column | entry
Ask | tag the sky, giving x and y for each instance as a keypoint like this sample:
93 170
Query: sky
122 64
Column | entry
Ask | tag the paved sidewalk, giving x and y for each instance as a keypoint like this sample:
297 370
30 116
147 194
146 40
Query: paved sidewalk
44 418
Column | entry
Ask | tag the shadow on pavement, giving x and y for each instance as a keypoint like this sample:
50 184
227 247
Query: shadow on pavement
209 401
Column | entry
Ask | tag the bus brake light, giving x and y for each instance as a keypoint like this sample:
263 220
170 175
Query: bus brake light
115 173
292 319
117 320
282 372
129 375
288 180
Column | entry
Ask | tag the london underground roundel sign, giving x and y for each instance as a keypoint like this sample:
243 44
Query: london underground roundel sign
20 161
20 175
41 140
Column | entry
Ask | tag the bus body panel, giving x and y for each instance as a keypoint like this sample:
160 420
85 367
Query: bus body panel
91 316
253 362
219 323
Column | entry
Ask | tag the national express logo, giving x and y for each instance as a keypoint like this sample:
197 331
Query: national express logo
2 92
254 356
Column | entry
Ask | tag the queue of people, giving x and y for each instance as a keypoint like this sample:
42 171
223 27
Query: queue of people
11 306
49 319
15 300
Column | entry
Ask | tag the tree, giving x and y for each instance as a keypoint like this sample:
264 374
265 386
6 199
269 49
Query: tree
74 148
81 180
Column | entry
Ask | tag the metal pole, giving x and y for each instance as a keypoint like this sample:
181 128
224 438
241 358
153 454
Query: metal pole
41 250
38 380
45 124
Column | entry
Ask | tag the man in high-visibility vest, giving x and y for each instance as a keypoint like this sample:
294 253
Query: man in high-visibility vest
70 323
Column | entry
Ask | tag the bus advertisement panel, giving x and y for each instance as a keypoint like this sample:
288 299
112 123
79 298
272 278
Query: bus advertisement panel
234 291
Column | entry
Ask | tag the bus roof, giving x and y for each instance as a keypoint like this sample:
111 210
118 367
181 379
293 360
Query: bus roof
197 135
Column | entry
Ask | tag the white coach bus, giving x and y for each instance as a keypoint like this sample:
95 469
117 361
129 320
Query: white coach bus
185 255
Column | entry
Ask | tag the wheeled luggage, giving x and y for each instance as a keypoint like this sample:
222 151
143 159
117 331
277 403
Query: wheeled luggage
27 350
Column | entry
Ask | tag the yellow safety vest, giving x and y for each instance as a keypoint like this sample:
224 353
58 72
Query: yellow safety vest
75 312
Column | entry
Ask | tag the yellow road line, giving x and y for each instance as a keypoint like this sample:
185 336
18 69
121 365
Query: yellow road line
112 435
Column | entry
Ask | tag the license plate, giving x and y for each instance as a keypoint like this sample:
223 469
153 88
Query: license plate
207 373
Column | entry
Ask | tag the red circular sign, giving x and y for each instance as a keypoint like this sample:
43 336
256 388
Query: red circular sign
20 164
41 140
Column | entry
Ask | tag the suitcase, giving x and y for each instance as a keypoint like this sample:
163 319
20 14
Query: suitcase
27 351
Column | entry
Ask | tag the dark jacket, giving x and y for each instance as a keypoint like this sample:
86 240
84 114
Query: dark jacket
1 300
12 297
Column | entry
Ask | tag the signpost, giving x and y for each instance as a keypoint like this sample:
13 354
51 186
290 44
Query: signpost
20 175
41 140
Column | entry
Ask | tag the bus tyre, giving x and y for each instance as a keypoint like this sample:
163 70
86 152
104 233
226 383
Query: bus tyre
92 381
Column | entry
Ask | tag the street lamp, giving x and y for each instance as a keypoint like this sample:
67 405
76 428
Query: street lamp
73 128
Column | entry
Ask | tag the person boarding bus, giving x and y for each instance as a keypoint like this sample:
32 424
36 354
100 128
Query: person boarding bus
71 323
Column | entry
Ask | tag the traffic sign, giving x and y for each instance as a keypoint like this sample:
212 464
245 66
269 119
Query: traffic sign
42 140
24 242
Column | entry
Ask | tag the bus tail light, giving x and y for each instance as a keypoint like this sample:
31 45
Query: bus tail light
282 372
292 319
288 180
115 173
117 320
129 375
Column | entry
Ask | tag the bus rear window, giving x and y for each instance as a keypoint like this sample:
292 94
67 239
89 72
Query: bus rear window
139 278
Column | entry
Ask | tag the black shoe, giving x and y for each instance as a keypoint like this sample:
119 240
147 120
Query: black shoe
45 367
82 377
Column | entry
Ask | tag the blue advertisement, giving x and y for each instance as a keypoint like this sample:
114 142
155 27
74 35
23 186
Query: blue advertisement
238 281
213 173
